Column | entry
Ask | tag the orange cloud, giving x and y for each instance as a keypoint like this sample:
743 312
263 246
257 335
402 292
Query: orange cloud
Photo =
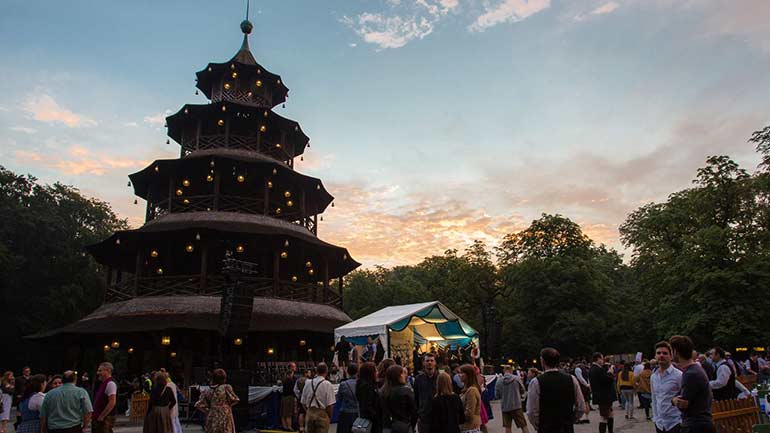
44 108
79 160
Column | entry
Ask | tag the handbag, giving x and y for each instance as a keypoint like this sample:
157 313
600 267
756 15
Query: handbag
361 425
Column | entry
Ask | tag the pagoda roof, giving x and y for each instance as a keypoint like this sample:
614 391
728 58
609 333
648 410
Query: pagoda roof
340 261
243 63
160 313
143 180
257 116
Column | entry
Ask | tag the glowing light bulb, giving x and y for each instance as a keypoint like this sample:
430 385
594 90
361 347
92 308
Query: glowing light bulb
186 182
284 254
189 248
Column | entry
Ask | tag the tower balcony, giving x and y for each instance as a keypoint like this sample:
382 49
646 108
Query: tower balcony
122 287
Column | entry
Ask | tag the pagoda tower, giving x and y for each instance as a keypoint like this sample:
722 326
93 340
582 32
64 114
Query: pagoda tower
232 192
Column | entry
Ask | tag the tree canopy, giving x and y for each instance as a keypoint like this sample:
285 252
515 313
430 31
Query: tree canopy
46 277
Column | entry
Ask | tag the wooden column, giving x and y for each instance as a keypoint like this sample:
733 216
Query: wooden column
276 271
315 224
266 204
204 266
227 131
198 135
148 212
302 207
325 273
137 272
339 287
217 188
170 192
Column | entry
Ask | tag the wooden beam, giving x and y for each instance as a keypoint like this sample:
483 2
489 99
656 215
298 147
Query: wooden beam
325 274
204 266
339 287
170 192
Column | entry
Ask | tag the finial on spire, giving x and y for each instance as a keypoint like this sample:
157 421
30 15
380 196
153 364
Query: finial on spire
246 26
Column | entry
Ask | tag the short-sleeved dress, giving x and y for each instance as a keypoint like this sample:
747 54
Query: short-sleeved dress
217 403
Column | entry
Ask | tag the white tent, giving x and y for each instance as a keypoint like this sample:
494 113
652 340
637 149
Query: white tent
400 326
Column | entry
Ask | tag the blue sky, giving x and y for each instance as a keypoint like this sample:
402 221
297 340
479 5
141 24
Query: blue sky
433 122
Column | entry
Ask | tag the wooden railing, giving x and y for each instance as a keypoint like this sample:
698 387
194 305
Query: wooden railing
181 285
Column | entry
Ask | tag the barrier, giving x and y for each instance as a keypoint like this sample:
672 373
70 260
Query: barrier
735 416
139 403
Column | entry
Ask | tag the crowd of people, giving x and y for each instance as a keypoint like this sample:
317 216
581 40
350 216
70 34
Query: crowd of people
675 390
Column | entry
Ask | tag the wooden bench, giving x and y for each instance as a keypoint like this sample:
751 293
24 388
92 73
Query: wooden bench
735 416
748 380
139 403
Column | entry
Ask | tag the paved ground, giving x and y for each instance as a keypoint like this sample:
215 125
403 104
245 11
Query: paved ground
640 425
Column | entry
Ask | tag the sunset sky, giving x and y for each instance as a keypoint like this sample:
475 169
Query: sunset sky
433 122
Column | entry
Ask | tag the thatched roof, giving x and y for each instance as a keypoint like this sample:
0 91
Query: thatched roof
201 313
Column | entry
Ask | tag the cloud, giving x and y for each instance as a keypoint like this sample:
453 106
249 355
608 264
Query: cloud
605 8
44 108
747 20
78 160
507 11
157 119
404 22
23 129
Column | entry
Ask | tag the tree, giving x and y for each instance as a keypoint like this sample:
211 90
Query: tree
46 277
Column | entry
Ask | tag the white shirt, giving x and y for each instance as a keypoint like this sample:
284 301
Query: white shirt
664 389
175 409
36 401
723 375
579 376
111 389
324 393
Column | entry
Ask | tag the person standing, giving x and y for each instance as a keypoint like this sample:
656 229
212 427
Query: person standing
603 391
66 409
217 403
398 407
445 411
554 398
425 390
29 404
723 384
694 399
665 384
471 398
346 398
626 389
318 400
370 350
162 399
104 400
21 388
174 411
581 374
642 386
343 348
369 406
288 399
510 389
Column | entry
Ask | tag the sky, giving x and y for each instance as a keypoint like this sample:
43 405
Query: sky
432 122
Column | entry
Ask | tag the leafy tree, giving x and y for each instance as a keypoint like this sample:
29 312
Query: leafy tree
46 277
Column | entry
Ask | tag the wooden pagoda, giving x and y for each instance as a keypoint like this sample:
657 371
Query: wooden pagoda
233 191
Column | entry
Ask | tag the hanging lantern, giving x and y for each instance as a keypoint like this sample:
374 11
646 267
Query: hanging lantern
277 145
154 254
270 351
159 271
344 257
294 278
265 113
186 111
168 141
263 128
186 202
269 184
165 340
238 341
332 204
189 248
241 178
239 249
115 344
106 348
211 164
136 201
286 244
284 254
130 350
197 236
275 171
232 66
310 272
117 241
179 192
279 81
302 343
157 169
172 354
318 187
196 92
259 83
301 158
287 194
278 210
186 182
224 108
249 94
209 178
129 184
235 75
310 350
209 68
308 264
227 86
221 122
289 203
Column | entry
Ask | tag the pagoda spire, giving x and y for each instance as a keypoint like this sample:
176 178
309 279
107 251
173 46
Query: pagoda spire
244 53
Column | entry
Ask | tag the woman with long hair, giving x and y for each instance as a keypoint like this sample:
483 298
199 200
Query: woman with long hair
7 387
642 385
471 398
626 388
399 407
29 404
445 411
217 404
382 369
369 407
162 399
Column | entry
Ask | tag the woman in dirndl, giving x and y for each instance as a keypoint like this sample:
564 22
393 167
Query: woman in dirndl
30 403
162 399
7 387
217 404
